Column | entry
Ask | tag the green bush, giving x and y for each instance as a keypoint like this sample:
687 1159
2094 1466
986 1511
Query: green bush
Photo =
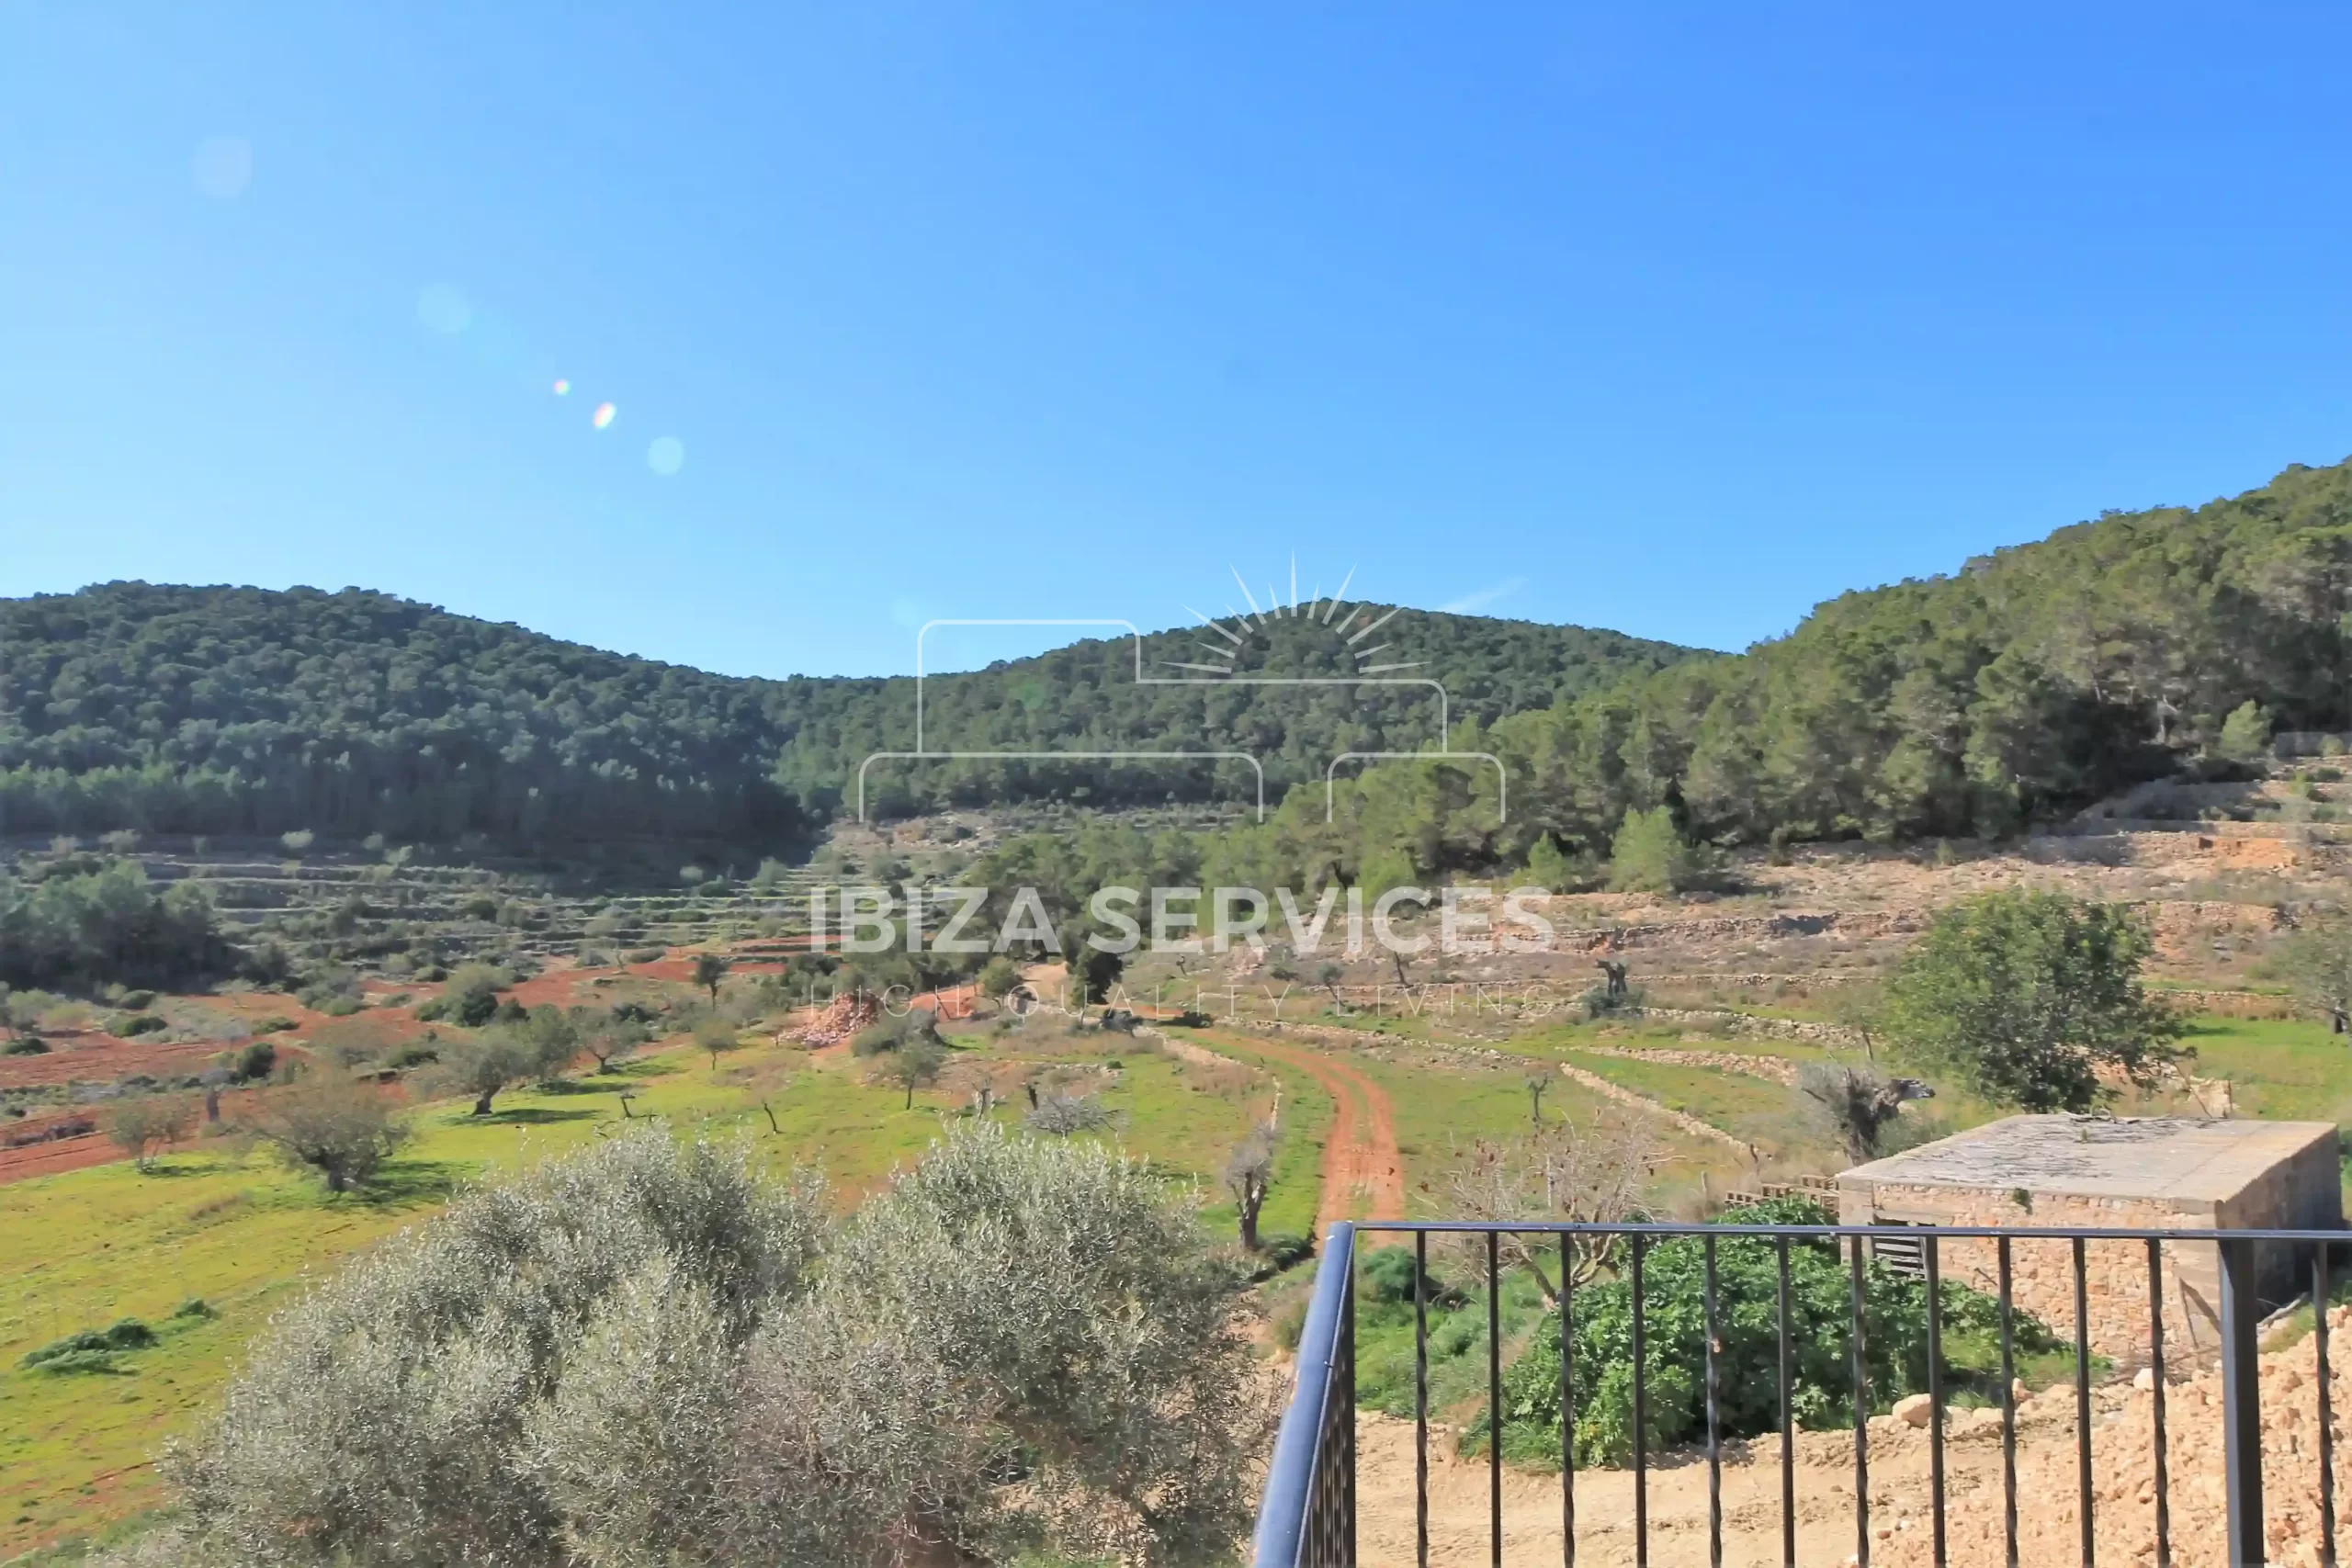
26 1045
256 1061
2245 734
1748 1296
131 1025
91 1350
471 999
1649 854
1387 1275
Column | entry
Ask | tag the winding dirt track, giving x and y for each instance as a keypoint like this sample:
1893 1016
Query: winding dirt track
1360 1158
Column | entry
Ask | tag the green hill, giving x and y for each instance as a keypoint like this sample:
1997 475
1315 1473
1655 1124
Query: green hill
241 711
2029 684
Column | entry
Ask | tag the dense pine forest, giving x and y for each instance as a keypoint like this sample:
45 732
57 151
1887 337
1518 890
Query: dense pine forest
241 711
2031 681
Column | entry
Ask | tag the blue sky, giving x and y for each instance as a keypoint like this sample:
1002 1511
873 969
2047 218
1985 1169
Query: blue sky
1672 319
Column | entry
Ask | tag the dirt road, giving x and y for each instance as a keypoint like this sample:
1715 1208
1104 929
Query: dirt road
1364 1175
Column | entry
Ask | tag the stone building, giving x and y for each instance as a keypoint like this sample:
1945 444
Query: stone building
2173 1173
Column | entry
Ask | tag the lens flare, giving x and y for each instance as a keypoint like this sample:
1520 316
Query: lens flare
562 386
602 416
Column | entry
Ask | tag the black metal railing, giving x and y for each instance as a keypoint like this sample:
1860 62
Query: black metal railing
1308 1516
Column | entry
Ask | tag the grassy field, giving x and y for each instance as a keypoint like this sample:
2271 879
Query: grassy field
2284 1070
222 1224
241 1234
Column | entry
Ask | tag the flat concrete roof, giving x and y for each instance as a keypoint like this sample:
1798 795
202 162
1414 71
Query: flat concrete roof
2156 1156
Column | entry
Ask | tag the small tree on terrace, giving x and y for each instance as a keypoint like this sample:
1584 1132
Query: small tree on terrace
709 970
1859 1103
551 1039
334 1124
484 1065
1539 1080
2318 965
998 978
716 1036
1649 854
1249 1175
2028 995
142 1127
613 1038
1594 1174
915 1063
2245 734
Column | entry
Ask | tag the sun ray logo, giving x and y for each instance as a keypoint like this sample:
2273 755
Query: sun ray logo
1353 629
1353 624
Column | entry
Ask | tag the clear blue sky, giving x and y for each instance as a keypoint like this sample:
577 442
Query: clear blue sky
1671 319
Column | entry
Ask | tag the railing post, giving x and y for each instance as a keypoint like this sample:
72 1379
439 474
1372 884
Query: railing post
2241 1402
1309 1517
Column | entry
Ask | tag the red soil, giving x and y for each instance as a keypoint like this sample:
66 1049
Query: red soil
1361 1156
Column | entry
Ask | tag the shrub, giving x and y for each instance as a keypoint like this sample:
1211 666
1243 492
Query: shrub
470 998
1061 1115
998 978
254 1063
26 1045
1387 1276
1747 1305
91 1350
2245 734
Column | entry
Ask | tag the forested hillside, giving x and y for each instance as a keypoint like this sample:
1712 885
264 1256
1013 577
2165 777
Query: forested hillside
2033 683
236 710
233 710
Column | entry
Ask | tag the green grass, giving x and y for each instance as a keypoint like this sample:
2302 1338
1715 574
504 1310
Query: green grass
2287 1070
1753 1109
82 1249
1456 1338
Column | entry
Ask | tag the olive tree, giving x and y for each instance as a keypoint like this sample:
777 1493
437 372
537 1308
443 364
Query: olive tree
332 1123
629 1358
483 1065
394 1416
148 1123
2318 963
